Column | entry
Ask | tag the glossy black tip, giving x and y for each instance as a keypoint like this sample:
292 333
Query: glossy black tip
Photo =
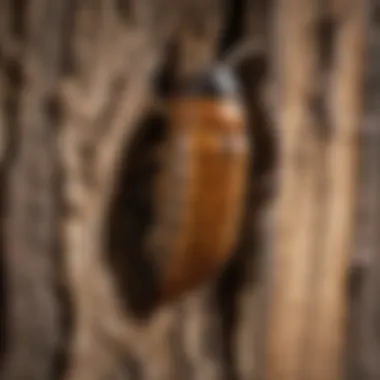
217 82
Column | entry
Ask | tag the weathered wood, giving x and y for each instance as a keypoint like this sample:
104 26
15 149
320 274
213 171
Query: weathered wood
30 205
331 310
317 194
87 69
103 331
363 349
99 116
296 208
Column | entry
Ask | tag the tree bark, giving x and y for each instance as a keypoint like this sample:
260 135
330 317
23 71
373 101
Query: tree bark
317 194
76 81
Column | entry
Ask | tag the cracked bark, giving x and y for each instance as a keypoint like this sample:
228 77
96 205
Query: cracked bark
76 80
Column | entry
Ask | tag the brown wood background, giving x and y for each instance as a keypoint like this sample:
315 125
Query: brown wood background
75 82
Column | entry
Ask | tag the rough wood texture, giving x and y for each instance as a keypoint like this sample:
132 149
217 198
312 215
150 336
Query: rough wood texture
293 251
105 95
331 308
314 231
363 349
76 84
29 189
77 80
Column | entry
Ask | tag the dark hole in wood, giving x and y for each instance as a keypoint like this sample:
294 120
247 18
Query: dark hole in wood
252 72
131 209
231 279
13 87
68 64
131 214
166 81
233 26
326 32
124 10
375 14
53 111
18 12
